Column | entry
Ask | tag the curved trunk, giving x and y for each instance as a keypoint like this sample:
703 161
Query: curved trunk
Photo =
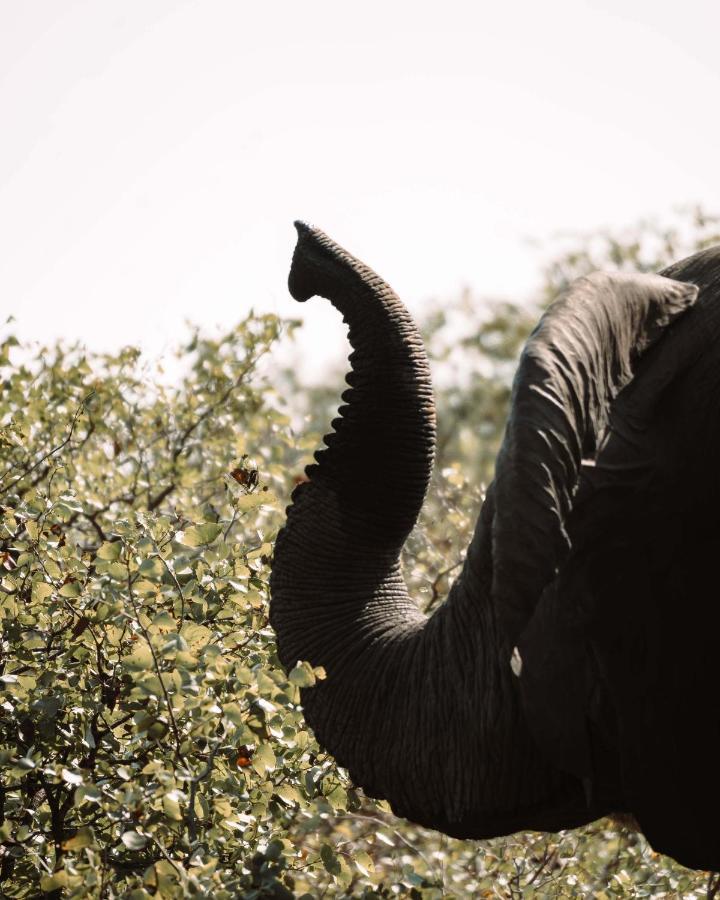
421 711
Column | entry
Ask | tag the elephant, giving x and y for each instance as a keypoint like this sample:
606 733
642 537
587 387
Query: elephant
572 671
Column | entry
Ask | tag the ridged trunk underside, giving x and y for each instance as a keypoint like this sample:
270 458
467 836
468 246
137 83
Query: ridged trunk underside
421 711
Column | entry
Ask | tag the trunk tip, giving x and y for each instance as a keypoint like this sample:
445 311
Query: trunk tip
302 228
301 283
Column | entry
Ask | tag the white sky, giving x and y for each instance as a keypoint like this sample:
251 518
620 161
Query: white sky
154 154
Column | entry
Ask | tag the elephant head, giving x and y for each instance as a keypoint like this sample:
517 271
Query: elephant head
504 709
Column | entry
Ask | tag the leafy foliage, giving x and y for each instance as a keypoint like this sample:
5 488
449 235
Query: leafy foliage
150 744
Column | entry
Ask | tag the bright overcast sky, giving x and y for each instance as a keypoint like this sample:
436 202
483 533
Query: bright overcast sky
154 154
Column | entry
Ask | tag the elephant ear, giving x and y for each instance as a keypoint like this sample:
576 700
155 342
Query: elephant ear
584 350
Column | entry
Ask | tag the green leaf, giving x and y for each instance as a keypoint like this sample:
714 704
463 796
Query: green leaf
175 643
201 534
109 550
53 882
246 502
171 806
288 793
163 622
302 675
83 838
133 840
151 568
364 862
234 713
337 797
141 586
41 590
196 636
149 684
72 777
139 660
87 793
223 807
263 759
117 570
330 859
33 640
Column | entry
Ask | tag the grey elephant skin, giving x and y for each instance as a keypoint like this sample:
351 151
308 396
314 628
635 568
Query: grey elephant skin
592 567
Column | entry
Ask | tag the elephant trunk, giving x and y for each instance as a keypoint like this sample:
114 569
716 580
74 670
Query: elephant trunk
338 597
348 521
409 703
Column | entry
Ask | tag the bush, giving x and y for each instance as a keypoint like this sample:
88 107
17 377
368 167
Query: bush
150 744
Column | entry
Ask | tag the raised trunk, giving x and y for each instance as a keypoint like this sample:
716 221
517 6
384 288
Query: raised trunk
421 711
